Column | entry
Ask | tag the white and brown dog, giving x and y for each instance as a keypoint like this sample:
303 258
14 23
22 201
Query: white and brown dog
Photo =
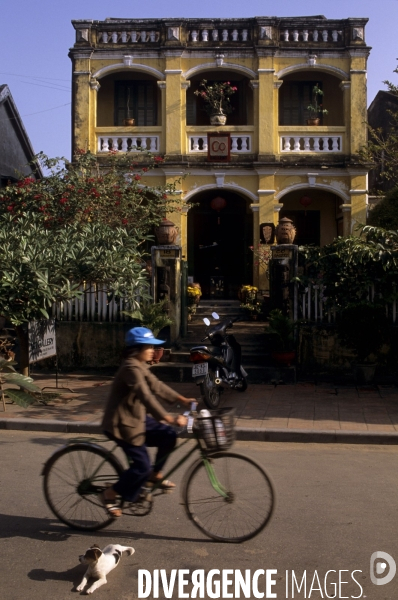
100 563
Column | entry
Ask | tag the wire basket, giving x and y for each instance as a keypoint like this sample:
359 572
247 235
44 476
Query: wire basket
217 431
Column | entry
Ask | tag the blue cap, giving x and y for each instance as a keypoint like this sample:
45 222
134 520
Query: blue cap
141 335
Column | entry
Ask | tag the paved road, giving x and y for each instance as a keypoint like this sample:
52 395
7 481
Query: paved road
337 504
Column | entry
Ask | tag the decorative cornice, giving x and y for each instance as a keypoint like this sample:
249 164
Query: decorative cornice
358 192
255 207
265 192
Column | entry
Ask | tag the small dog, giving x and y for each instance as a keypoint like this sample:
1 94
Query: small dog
100 563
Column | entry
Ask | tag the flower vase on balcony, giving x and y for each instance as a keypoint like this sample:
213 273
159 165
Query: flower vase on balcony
315 108
216 98
128 121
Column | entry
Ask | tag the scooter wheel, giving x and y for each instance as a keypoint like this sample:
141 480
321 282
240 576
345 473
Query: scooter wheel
209 391
241 385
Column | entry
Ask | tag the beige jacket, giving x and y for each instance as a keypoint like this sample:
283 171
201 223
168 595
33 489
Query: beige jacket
132 395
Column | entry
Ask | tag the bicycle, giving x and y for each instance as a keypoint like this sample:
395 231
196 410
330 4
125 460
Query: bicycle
227 495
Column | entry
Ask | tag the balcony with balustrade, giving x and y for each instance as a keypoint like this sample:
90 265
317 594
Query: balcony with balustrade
296 134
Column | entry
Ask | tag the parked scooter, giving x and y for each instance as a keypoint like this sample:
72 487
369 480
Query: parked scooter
219 363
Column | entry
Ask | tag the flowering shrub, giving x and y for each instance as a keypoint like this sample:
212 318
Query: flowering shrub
248 293
194 294
83 191
216 96
252 307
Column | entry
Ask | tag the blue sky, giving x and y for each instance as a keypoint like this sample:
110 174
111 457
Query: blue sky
36 37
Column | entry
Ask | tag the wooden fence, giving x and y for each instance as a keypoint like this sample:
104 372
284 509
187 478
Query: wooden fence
92 305
312 304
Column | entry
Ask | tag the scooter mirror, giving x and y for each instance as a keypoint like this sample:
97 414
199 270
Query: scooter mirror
215 315
206 321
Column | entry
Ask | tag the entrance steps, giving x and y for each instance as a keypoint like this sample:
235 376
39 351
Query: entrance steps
256 350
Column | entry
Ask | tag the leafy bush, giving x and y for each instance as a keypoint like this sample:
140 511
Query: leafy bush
385 213
363 327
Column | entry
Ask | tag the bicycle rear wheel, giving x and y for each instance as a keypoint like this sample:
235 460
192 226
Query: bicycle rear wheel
73 478
245 504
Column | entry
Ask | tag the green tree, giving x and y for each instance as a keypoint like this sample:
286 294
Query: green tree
381 151
385 213
83 222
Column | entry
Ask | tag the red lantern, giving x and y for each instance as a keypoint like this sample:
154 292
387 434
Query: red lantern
305 201
218 204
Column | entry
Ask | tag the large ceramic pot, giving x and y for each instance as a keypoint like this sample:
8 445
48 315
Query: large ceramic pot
364 373
314 121
129 122
166 233
218 119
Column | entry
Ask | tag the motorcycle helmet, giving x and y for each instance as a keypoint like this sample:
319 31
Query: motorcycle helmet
141 336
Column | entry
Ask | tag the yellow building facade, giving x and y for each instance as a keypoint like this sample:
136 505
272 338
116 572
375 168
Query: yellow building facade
278 165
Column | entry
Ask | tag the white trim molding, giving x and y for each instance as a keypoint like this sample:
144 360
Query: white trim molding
319 66
320 186
123 67
226 65
228 186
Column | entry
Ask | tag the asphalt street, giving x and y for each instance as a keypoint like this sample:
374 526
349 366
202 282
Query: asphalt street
336 505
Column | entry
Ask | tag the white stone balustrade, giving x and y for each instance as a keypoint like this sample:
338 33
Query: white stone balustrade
214 35
239 144
311 143
306 35
126 37
127 143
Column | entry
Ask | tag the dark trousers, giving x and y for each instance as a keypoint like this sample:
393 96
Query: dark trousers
158 435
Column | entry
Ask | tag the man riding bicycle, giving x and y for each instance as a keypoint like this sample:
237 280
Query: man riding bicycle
132 395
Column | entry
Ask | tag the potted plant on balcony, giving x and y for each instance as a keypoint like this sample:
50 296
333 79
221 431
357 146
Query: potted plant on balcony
316 108
216 98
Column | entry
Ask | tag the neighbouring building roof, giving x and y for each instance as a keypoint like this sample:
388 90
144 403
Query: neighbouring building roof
16 150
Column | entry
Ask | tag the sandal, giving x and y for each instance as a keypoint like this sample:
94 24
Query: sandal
165 485
111 508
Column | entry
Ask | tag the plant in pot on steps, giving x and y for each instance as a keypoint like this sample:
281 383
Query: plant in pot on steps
152 315
282 328
363 327
316 108
216 98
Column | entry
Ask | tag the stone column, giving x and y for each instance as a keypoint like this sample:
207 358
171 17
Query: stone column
162 87
254 84
346 87
346 210
81 109
173 125
358 132
266 112
359 199
256 239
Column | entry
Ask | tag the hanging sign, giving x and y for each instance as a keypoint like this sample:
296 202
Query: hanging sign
218 147
41 339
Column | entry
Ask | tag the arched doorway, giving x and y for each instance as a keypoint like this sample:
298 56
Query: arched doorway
316 214
219 255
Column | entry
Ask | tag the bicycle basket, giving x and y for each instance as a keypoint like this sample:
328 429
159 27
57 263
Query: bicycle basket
217 431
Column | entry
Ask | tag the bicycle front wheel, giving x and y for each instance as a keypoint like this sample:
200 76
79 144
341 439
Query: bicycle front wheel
232 500
73 478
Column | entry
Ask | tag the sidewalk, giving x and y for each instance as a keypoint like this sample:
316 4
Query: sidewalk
301 412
